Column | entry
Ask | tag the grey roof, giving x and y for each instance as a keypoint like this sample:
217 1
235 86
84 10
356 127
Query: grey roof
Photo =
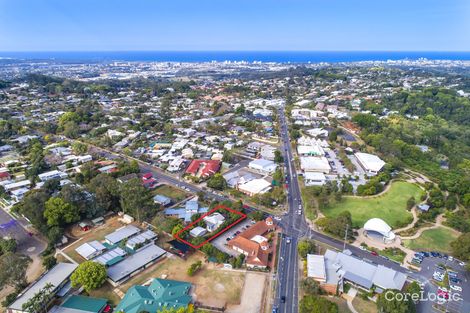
89 248
131 264
316 266
110 255
340 265
122 233
56 276
141 238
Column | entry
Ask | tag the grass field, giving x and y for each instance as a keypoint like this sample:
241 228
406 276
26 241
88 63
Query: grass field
175 194
391 206
437 239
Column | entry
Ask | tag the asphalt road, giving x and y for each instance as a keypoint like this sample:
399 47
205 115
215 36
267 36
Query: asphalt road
27 243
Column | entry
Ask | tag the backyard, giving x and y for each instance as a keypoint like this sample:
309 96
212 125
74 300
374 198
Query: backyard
437 239
390 206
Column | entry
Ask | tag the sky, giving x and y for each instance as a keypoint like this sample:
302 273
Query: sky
256 25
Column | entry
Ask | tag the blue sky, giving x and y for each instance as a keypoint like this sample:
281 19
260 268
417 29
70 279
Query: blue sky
99 25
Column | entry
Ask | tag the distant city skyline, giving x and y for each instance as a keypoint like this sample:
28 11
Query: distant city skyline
238 25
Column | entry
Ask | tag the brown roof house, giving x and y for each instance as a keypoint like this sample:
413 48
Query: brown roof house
253 244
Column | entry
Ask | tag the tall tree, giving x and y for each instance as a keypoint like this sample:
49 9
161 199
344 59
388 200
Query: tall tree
136 200
59 213
90 275
13 270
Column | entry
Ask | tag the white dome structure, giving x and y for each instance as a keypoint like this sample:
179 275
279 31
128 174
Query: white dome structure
377 225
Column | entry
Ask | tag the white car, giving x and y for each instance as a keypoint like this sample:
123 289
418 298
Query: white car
277 218
455 287
462 263
362 248
299 212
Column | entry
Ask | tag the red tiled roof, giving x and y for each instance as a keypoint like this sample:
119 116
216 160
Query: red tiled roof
256 255
205 168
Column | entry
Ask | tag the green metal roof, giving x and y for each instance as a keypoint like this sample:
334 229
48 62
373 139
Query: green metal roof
160 294
83 303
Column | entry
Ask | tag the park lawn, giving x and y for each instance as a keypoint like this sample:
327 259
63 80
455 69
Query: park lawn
391 206
437 239
175 194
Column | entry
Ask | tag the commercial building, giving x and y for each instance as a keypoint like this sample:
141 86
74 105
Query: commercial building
82 304
253 244
133 264
341 267
160 294
315 164
91 249
58 276
255 187
372 164
263 166
314 179
121 234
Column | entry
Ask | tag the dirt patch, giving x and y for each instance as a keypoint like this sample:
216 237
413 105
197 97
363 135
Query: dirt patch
211 285
252 295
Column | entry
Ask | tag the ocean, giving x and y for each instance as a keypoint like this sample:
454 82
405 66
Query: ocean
249 56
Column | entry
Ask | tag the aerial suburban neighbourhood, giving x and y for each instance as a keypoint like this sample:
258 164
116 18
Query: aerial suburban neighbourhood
238 157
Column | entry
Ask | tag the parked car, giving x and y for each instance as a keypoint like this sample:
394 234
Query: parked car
374 253
455 280
455 287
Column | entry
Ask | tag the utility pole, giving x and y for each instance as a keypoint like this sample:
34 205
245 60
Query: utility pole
345 237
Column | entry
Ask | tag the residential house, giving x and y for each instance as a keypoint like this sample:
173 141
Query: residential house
213 221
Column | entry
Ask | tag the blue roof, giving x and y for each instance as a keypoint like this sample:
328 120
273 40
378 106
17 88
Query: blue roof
161 199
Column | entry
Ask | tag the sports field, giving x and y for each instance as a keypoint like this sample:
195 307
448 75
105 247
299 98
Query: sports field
437 239
390 206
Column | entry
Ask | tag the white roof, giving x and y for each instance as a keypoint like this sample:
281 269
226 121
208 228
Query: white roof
310 149
255 186
370 162
314 176
316 266
55 276
315 164
197 231
19 184
379 226
89 248
261 163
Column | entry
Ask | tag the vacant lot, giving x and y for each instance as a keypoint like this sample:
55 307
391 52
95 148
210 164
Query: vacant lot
391 206
252 294
175 194
437 239
212 286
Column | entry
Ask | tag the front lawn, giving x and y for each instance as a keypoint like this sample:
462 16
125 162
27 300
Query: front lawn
391 206
437 239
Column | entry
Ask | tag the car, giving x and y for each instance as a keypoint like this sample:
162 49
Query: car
450 258
455 287
425 254
462 263
363 248
416 261
452 274
439 279
440 267
277 218
288 239
283 299
275 310
455 280
434 254
374 253
299 212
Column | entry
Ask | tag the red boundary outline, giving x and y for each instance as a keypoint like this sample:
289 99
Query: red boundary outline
218 207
